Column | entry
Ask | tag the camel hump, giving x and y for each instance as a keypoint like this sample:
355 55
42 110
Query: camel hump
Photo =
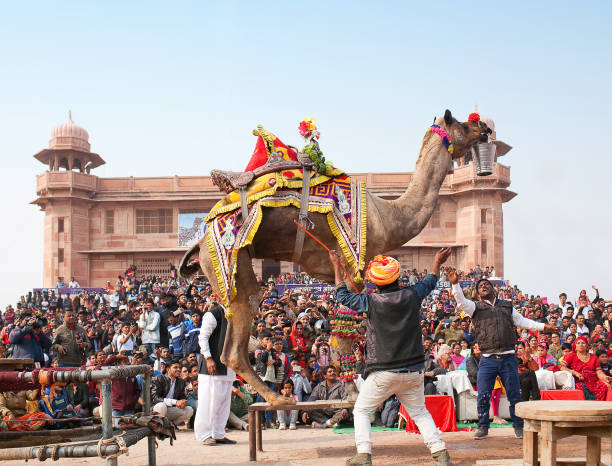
190 264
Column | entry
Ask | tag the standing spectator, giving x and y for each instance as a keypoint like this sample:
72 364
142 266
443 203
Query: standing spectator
300 381
192 336
176 335
28 341
70 342
73 283
149 324
214 381
555 346
126 341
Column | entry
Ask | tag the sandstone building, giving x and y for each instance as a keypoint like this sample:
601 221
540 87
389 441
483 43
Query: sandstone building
96 227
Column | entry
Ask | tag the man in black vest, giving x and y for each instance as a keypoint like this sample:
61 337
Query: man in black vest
494 321
394 351
214 381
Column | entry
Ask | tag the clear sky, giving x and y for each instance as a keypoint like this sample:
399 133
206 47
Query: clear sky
168 88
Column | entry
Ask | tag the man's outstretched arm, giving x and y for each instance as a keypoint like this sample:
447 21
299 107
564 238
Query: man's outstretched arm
425 286
354 301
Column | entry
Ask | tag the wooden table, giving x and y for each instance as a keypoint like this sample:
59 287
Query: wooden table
10 364
255 410
555 420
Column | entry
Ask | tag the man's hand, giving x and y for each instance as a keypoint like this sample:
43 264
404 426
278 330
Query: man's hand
334 259
61 349
440 259
551 328
181 404
211 367
452 277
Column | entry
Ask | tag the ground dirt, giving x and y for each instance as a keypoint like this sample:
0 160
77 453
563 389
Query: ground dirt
307 446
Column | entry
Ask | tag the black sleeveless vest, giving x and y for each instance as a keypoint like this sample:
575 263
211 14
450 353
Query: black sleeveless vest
393 331
216 341
494 327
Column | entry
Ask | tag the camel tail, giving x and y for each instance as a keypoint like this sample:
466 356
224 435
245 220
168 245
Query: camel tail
190 263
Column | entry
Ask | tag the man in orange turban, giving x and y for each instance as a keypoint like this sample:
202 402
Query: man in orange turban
383 270
394 350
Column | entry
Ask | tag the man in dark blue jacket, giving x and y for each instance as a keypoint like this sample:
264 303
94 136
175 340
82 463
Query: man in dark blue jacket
28 341
394 350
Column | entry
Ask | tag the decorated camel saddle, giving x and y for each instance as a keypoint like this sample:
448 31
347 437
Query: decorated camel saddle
280 175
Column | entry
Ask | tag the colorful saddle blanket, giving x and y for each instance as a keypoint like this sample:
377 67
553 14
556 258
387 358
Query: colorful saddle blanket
342 199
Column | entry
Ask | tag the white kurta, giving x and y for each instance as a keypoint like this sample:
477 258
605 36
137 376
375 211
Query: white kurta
214 391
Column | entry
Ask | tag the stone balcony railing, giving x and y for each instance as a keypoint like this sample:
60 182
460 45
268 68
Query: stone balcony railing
65 180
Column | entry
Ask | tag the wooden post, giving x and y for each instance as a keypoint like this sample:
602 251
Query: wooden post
549 445
593 451
530 448
252 427
258 416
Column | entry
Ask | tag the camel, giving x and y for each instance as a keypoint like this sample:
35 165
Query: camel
390 224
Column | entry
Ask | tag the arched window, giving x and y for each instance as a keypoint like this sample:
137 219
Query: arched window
76 165
63 163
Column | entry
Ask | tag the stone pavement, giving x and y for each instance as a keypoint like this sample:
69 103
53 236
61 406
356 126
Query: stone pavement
307 446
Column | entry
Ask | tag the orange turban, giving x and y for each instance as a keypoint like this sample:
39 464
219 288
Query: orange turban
383 270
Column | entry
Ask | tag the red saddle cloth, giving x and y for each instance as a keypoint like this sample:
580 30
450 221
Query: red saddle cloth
442 410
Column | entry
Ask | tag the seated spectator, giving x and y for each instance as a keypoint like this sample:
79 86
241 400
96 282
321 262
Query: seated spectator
28 341
21 405
168 395
301 385
473 363
449 330
124 391
456 356
78 394
527 378
543 358
330 389
192 395
239 407
555 349
586 370
465 348
287 417
442 365
57 404
602 355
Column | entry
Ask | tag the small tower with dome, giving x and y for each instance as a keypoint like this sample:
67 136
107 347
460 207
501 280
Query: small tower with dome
69 149
65 192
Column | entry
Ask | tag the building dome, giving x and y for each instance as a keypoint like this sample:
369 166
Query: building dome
69 136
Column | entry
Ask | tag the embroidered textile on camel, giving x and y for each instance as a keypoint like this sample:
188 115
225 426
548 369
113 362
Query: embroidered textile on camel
342 199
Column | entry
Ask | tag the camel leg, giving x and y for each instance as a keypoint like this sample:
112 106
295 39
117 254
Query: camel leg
244 308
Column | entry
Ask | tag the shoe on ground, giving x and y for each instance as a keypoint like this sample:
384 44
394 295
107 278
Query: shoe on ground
318 425
292 427
441 458
481 432
363 459
225 441
518 431
499 420
282 427
209 442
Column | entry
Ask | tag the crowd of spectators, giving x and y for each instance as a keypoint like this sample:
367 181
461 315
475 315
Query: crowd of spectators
156 321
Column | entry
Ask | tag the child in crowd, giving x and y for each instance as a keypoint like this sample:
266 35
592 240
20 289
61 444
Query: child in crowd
287 416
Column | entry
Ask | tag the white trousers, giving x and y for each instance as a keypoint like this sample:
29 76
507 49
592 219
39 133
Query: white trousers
408 387
214 399
174 414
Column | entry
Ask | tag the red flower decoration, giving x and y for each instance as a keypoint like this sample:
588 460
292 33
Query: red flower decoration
288 174
474 117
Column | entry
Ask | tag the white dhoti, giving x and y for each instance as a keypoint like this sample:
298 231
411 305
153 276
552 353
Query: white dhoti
214 399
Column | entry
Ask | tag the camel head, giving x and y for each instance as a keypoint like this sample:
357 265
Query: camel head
463 135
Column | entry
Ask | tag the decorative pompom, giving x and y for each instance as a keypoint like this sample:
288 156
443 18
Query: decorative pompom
474 117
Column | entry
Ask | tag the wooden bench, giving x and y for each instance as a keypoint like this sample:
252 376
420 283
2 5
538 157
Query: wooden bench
255 410
555 420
